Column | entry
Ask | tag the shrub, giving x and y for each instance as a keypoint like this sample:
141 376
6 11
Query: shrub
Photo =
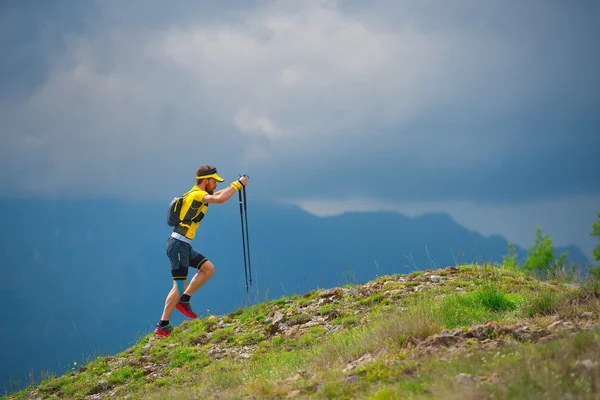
494 299
511 258
541 257
596 232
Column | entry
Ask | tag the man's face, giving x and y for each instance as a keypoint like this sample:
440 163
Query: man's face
211 185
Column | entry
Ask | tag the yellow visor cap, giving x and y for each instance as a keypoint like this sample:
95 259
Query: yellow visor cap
214 175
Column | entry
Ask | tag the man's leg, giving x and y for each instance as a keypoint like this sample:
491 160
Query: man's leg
207 270
179 256
172 299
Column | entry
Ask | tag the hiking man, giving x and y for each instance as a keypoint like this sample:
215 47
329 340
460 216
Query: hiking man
179 249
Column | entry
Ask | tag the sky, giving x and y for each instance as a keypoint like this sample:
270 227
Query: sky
488 111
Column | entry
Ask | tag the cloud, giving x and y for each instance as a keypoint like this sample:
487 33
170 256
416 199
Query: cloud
490 103
248 122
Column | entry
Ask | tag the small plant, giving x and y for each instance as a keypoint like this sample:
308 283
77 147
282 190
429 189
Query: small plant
494 299
596 233
259 318
121 375
511 258
249 338
540 303
375 298
223 334
541 257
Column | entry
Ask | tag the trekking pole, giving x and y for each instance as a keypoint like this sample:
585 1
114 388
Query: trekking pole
243 239
247 236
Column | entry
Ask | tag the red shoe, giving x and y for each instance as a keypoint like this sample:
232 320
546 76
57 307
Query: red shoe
186 310
163 330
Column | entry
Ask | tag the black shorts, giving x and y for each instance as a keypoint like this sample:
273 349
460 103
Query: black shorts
181 255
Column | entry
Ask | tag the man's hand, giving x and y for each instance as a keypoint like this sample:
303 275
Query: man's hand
240 183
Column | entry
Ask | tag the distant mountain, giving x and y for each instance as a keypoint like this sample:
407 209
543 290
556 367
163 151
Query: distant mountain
84 278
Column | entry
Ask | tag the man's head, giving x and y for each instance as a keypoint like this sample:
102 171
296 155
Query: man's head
207 178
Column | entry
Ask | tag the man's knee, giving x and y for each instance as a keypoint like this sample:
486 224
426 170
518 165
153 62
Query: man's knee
208 268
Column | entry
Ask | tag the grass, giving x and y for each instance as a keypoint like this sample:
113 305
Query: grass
373 341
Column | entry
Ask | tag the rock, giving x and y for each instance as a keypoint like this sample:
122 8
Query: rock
302 373
588 314
102 386
200 340
489 344
332 314
335 293
554 324
300 319
365 359
479 332
245 356
293 331
152 377
586 365
440 340
394 292
463 379
435 278
278 317
315 321
411 341
571 286
277 324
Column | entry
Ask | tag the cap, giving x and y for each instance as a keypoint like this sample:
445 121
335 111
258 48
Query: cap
210 174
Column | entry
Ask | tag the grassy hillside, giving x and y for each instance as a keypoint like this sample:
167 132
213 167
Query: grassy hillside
457 333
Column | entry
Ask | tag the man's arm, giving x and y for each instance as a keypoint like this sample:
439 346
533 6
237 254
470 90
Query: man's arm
223 195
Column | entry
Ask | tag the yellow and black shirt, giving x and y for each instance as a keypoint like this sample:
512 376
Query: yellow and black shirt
191 213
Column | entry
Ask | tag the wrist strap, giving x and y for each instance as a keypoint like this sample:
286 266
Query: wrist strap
237 185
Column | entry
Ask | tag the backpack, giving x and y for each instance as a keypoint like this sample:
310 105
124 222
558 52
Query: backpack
174 209
173 213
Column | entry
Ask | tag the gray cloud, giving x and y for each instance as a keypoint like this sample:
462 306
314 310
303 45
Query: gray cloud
419 101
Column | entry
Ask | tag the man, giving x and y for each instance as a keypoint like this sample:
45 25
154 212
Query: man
179 249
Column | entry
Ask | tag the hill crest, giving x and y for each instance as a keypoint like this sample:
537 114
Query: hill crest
375 339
